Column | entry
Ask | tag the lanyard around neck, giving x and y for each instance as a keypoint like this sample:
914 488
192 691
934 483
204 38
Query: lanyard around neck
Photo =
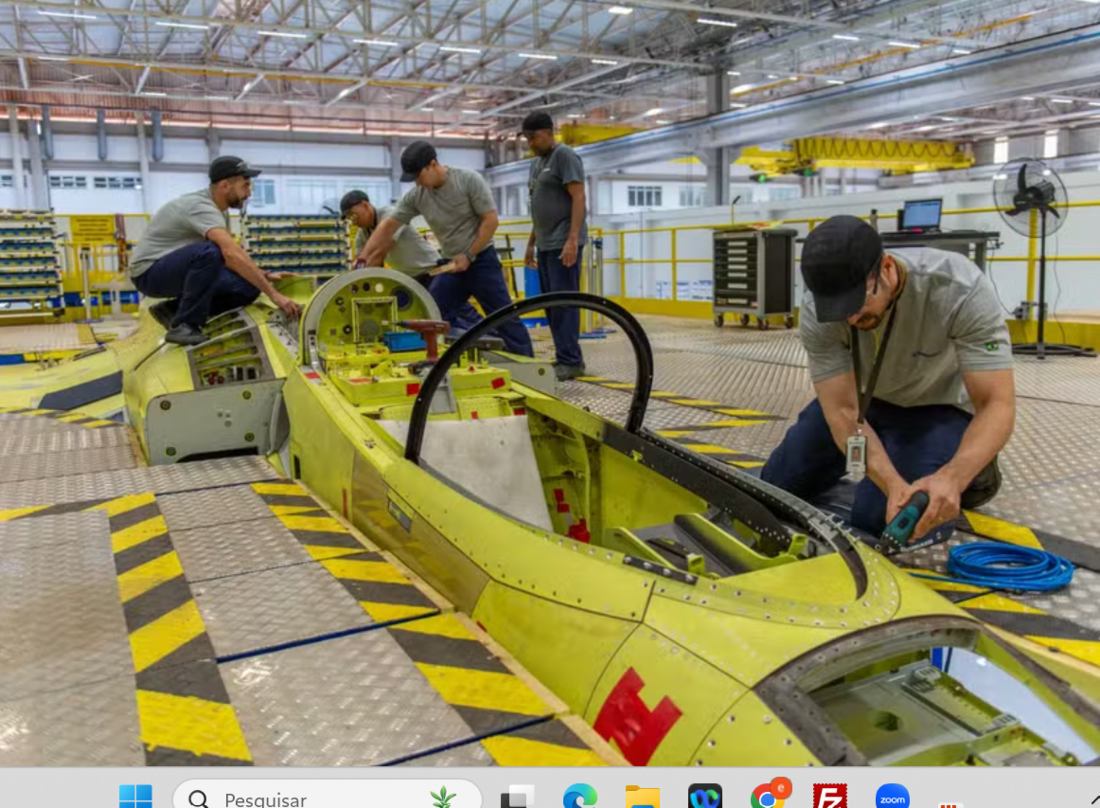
866 394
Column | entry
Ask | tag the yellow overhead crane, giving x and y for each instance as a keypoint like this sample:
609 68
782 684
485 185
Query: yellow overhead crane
895 156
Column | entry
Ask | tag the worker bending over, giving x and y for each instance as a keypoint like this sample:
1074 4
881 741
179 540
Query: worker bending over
558 229
412 254
458 207
188 255
923 331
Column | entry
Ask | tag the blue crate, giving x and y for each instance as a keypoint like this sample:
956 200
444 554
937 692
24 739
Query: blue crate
398 341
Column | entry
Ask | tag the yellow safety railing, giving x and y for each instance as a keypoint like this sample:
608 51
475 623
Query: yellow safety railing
675 261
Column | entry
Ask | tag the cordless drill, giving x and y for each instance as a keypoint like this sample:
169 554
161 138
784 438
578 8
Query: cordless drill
900 531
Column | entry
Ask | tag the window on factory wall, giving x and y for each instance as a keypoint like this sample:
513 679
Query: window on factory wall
118 183
1000 151
1050 144
263 194
308 195
693 196
644 196
68 181
7 181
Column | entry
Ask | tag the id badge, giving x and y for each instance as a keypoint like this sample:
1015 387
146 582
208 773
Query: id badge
856 457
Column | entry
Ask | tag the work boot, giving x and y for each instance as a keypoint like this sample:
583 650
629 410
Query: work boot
184 334
164 312
983 488
567 373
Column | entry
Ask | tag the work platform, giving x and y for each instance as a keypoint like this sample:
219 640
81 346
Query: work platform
211 613
732 393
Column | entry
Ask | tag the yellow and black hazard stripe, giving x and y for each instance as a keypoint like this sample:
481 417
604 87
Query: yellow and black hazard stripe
1079 553
998 610
515 725
64 416
731 457
734 416
183 707
381 589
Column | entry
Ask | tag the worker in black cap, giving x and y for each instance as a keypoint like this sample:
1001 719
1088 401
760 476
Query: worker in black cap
924 333
458 206
557 204
188 256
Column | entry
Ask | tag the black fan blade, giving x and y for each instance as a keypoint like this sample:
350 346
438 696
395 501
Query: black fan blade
1021 179
1057 215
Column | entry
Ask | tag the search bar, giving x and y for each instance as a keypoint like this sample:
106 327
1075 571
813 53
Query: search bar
326 793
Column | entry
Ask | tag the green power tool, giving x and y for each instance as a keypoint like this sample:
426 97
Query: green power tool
900 531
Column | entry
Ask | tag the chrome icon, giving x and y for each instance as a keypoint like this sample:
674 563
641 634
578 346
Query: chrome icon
580 795
773 794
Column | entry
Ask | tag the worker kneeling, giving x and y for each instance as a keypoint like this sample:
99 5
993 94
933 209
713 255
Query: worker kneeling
923 331
188 256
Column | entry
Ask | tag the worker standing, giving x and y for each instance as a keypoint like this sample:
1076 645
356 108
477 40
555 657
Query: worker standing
412 254
188 256
923 332
556 187
458 207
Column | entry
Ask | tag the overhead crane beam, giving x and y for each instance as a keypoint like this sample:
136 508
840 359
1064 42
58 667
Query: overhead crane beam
896 156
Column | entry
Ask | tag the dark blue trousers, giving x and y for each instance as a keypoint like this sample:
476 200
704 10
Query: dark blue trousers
198 276
565 323
918 440
484 282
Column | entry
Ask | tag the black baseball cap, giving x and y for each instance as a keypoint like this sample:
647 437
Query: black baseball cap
837 258
224 168
537 121
350 200
415 159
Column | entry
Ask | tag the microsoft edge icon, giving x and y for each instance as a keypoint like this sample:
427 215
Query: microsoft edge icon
580 795
892 795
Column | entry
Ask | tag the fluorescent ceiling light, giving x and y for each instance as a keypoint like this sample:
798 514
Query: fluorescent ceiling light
1002 139
735 105
793 78
620 10
711 21
604 62
896 44
663 121
1000 176
846 37
878 125
345 92
926 128
546 56
154 93
471 112
1061 100
217 98
574 115
1027 97
70 14
286 34
732 73
382 43
654 111
456 49
740 88
772 76
189 25
949 120
961 51
1094 103
833 81
52 58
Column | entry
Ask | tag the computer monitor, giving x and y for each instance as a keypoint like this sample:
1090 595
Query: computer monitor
922 214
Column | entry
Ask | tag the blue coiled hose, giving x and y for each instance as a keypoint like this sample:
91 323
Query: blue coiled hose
1006 566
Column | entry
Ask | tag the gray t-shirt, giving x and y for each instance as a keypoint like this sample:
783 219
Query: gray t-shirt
411 253
453 212
182 221
950 321
551 203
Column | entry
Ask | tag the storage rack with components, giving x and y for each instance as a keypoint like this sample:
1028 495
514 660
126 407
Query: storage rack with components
30 263
754 274
308 245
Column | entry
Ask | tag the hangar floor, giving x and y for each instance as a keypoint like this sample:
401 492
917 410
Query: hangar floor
212 613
